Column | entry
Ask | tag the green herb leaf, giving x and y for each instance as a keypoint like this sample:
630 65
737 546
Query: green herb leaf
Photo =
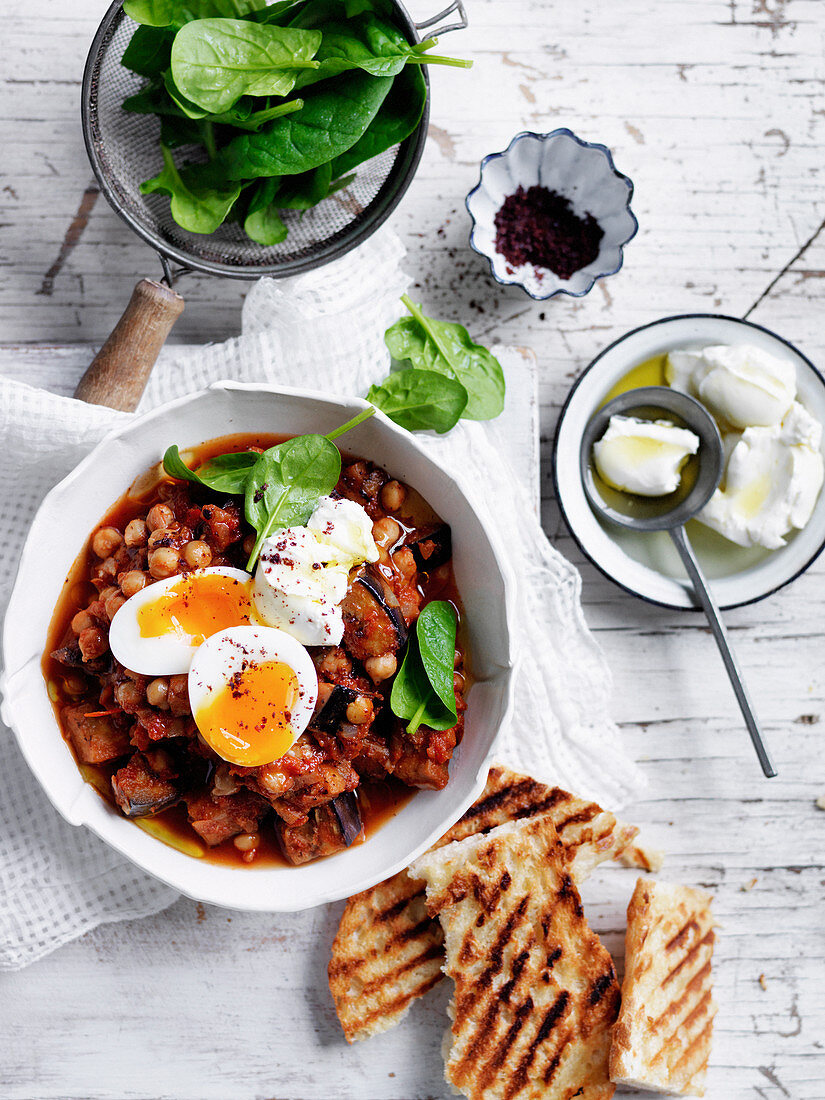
263 223
286 483
420 400
148 51
441 346
328 124
199 202
216 61
223 473
423 692
175 13
399 115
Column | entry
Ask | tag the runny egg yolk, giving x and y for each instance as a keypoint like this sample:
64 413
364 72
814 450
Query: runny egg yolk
248 720
200 605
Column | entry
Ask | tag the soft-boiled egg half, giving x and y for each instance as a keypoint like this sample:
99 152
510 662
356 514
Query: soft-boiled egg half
158 630
252 690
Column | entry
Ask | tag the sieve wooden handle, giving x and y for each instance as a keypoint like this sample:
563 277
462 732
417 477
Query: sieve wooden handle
118 374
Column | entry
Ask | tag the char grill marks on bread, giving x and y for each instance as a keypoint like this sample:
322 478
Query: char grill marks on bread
662 1037
535 991
388 951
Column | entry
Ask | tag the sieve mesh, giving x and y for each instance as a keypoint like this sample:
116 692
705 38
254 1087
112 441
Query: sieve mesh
124 151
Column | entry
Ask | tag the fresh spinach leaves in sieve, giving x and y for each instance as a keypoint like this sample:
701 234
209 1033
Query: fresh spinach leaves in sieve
422 692
224 78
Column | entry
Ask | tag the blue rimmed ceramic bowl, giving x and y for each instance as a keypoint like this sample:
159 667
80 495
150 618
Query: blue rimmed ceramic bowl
585 174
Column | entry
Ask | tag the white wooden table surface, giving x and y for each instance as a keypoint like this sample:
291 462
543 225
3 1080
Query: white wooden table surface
715 109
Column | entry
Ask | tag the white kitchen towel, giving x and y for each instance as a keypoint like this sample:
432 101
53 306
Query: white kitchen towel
322 330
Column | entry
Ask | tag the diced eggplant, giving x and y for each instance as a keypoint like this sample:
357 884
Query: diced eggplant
373 623
433 549
333 714
412 765
319 836
218 817
96 739
345 808
140 791
70 657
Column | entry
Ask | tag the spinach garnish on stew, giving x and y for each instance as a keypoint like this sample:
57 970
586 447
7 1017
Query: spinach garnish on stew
422 692
296 88
281 486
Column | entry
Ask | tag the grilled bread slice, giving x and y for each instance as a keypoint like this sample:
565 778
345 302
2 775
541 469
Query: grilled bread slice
388 952
662 1037
535 991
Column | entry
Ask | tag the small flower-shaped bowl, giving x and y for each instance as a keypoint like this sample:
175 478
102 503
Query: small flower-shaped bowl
582 172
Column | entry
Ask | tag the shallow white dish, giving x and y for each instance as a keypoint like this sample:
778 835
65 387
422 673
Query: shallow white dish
76 505
647 565
581 171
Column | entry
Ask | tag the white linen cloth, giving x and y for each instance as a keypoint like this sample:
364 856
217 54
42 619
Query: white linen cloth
322 330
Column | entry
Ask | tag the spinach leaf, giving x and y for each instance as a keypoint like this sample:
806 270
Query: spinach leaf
274 13
420 400
263 223
328 124
148 51
200 202
423 692
223 473
216 61
286 483
175 13
441 346
305 191
397 118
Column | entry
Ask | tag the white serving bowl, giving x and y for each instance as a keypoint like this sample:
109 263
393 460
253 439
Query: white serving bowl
581 171
646 564
76 506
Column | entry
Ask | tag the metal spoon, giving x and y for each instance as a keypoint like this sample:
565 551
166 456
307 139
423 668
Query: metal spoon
653 401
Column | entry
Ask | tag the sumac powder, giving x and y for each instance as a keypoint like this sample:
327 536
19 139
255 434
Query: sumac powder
540 227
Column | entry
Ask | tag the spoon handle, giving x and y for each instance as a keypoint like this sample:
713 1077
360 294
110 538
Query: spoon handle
708 603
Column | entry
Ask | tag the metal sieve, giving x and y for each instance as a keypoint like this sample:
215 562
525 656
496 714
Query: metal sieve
123 150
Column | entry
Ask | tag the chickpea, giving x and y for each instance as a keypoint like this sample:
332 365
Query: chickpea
247 842
160 515
249 544
106 593
161 535
197 554
458 682
386 532
136 532
132 582
163 562
82 621
107 568
74 685
113 604
393 495
359 710
128 695
105 541
93 643
157 693
381 668
404 562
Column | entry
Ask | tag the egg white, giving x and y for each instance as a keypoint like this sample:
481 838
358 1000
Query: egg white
232 650
168 655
